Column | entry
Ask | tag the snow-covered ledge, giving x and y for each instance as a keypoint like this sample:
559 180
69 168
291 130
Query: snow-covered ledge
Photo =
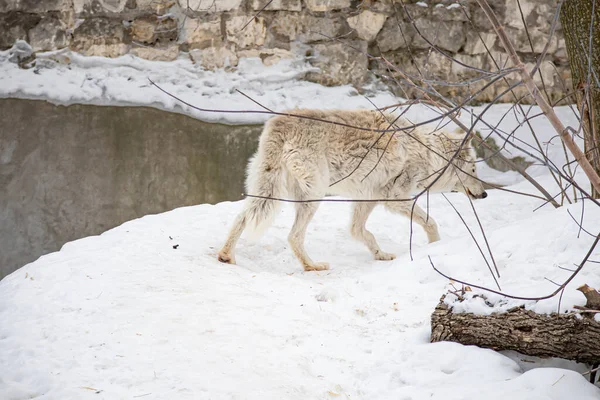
64 77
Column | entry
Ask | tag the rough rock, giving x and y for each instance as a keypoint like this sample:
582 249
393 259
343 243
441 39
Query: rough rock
474 44
367 24
413 11
168 53
339 63
395 34
305 28
478 17
212 58
200 34
210 6
158 7
444 34
449 12
522 43
545 75
22 54
14 26
246 30
287 5
461 73
98 7
542 15
489 152
500 58
538 14
11 35
430 65
512 17
114 6
267 56
150 29
49 34
100 37
327 5
35 6
560 54
273 56
433 65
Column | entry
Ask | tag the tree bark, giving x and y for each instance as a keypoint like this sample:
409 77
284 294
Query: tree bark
555 335
576 17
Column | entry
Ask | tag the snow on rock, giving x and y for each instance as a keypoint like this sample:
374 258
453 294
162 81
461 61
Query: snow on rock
67 78
125 314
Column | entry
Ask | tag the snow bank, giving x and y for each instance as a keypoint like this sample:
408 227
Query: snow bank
127 314
67 78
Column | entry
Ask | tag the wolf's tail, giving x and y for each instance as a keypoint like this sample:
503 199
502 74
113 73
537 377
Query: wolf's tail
264 180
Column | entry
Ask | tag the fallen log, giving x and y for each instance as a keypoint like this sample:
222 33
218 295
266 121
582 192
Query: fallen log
566 336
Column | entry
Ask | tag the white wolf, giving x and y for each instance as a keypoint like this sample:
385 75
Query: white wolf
306 159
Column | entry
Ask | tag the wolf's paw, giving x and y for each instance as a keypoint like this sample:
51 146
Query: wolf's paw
226 258
320 266
383 256
433 238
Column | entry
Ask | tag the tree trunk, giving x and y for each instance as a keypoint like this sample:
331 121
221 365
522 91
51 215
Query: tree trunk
555 335
576 18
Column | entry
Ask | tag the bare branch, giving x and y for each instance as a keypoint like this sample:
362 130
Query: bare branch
539 99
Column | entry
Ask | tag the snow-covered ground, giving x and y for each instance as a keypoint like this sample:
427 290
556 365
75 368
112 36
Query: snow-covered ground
126 314
146 311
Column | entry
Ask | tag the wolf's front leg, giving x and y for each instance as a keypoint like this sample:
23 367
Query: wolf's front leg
418 215
361 212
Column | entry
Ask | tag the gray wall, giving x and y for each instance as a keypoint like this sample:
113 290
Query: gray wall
70 172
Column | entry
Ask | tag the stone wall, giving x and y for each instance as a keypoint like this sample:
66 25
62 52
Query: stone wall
217 33
71 172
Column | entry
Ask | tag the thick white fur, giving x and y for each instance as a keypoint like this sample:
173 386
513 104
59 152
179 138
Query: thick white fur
302 159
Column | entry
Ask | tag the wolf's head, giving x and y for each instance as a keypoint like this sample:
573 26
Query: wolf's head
463 176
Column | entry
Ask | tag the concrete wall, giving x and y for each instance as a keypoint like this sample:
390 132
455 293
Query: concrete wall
70 172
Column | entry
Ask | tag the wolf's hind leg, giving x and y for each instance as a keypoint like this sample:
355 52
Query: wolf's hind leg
418 215
360 214
304 213
307 177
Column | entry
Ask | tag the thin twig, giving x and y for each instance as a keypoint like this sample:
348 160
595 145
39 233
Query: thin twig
474 240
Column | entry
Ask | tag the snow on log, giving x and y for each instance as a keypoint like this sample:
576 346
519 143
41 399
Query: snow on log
568 336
